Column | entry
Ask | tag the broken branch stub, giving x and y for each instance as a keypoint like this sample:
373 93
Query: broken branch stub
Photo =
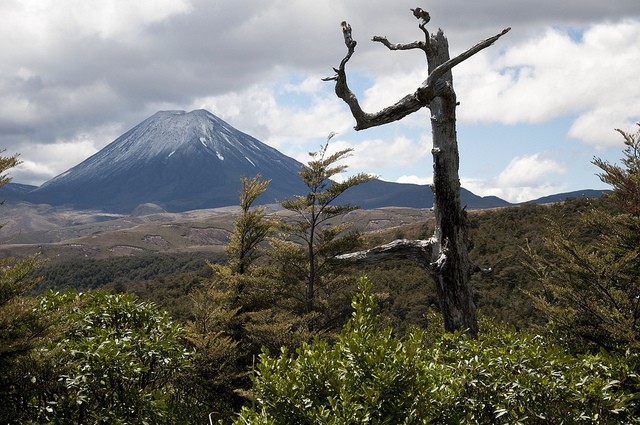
419 251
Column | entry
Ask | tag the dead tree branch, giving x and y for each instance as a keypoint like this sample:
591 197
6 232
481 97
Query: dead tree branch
408 46
418 251
409 103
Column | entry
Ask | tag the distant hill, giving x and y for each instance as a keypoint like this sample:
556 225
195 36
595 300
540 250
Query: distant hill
14 191
378 193
560 197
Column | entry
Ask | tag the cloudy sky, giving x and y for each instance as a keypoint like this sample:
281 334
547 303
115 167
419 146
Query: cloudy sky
535 108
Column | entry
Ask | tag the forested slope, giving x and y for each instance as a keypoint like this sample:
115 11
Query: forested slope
499 239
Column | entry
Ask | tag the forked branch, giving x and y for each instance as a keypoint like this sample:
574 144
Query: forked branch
410 103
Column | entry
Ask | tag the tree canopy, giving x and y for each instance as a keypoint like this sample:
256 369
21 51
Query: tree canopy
593 290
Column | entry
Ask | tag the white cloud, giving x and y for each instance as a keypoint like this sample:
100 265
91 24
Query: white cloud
258 112
389 88
46 22
596 127
310 86
525 178
42 161
528 171
378 154
556 75
48 160
413 179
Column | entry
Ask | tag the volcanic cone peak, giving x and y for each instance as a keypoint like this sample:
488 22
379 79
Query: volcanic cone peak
176 159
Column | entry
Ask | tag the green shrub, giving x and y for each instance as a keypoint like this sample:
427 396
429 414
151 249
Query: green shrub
112 359
371 376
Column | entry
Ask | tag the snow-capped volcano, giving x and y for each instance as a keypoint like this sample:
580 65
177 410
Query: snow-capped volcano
176 159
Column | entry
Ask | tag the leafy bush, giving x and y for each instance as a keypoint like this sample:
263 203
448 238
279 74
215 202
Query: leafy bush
371 376
113 360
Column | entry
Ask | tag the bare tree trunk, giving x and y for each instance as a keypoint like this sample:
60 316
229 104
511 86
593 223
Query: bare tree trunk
445 255
451 268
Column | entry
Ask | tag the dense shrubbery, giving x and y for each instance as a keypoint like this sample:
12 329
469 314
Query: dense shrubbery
371 376
107 359
499 238
84 274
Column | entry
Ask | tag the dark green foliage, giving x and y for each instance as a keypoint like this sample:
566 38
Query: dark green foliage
171 292
498 238
83 274
165 279
22 328
19 325
404 292
592 290
370 376
218 335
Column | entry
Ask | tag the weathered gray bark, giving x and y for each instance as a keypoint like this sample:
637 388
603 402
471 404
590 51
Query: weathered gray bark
419 251
445 255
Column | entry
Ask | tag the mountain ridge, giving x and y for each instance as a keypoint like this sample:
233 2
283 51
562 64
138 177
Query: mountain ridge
183 161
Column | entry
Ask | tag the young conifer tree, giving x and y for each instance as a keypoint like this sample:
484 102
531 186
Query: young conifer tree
235 312
252 227
221 305
593 291
6 163
319 238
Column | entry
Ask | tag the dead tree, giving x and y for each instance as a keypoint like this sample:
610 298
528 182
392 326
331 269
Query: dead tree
445 255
